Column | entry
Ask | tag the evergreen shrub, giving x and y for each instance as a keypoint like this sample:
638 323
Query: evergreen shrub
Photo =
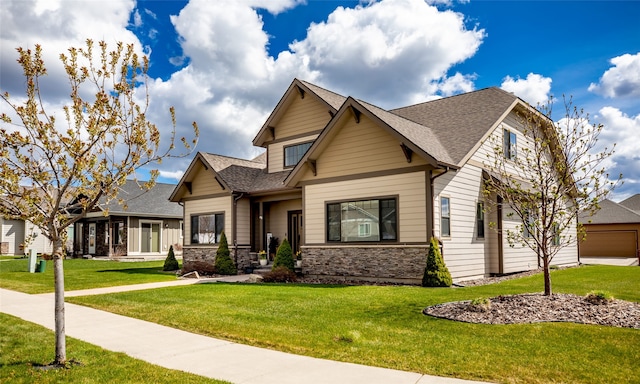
223 264
284 257
436 273
170 263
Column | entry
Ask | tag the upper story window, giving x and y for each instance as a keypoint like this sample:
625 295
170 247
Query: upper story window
364 220
207 229
480 220
510 144
293 153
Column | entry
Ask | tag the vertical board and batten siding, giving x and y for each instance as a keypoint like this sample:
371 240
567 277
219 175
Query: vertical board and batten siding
203 206
134 235
409 187
278 217
303 115
360 148
243 224
276 151
464 253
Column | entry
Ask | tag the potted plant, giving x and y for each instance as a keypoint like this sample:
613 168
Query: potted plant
299 259
262 256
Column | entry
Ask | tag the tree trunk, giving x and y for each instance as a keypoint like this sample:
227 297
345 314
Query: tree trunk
58 273
547 276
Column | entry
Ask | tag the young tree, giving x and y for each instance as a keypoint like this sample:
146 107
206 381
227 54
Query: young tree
284 257
548 180
436 273
52 174
171 263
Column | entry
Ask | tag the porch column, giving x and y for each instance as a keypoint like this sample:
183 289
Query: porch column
262 224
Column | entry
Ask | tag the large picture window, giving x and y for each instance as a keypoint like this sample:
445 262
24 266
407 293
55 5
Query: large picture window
363 220
294 153
206 229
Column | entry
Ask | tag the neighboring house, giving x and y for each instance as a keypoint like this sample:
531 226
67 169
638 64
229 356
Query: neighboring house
360 190
13 235
612 233
146 227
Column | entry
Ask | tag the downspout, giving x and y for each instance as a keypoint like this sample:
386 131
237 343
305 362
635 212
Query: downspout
432 189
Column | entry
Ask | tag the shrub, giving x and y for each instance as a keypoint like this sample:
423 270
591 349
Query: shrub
170 263
280 275
223 264
480 305
599 297
436 273
284 257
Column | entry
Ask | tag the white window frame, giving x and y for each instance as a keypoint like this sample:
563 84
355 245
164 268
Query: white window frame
448 217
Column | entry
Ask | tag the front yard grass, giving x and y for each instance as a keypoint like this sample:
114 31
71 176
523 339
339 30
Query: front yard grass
81 274
22 351
384 326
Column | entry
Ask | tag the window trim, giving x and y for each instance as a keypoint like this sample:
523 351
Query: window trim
442 234
214 214
284 153
396 200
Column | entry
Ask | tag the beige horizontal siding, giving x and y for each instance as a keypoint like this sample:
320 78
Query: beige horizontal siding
302 116
204 206
204 183
243 222
411 203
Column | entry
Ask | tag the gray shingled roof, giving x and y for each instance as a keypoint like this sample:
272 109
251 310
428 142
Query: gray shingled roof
460 121
333 99
245 175
633 203
154 202
420 135
611 213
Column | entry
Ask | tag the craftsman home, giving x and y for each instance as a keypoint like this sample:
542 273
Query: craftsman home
145 228
360 190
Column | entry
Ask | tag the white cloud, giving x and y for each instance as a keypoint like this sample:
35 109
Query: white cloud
534 89
621 80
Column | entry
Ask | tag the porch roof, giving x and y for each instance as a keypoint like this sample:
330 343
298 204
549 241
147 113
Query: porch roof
152 203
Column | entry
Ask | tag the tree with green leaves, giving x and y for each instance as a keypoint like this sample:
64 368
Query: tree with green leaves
170 263
223 264
54 170
553 176
436 273
284 256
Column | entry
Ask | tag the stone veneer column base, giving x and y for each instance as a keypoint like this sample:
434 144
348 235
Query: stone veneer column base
377 263
202 258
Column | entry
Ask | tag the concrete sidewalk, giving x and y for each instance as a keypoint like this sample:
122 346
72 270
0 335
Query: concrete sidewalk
201 355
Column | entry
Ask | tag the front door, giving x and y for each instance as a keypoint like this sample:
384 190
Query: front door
92 238
295 230
150 237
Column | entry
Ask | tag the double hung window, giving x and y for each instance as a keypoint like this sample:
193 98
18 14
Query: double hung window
445 217
206 229
510 144
362 220
480 220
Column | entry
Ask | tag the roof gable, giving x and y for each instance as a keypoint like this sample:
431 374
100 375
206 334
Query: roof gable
633 203
298 88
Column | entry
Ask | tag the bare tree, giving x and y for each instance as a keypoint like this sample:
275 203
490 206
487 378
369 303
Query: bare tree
547 181
51 174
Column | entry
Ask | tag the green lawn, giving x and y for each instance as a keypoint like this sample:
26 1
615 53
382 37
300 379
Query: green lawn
21 352
81 274
384 326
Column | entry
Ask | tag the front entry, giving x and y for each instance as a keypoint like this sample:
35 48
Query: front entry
92 238
149 237
295 230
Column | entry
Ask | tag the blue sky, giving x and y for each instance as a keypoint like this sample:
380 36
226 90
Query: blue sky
226 63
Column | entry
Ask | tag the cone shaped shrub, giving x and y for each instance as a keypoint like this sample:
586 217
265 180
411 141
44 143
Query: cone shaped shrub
284 256
436 273
224 265
170 263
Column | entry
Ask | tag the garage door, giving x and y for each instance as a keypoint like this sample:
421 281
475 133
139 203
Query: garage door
609 244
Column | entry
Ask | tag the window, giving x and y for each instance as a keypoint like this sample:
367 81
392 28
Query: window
118 232
529 225
555 241
364 220
445 217
510 145
206 229
294 153
480 220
